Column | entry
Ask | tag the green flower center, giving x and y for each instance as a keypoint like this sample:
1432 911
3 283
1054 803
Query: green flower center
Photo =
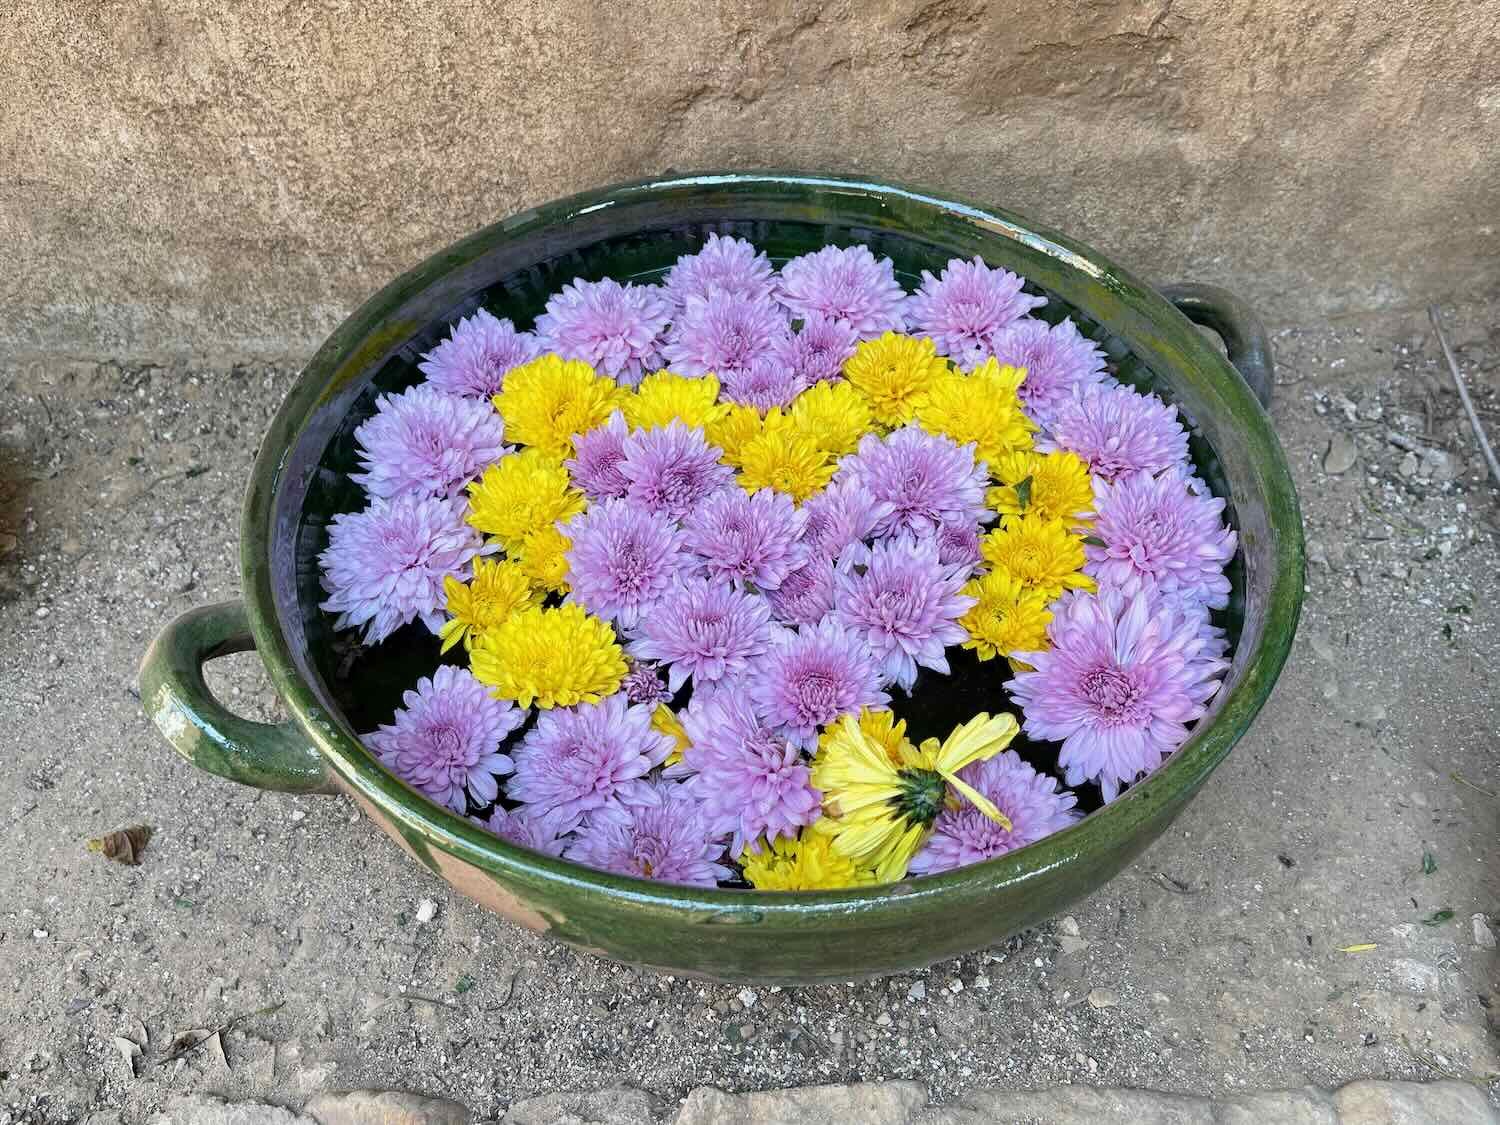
923 793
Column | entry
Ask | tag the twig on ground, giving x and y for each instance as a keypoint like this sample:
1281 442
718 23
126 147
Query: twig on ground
220 1030
1463 395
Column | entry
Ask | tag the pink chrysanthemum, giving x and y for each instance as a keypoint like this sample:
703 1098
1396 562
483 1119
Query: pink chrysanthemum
1061 363
966 308
747 537
445 738
385 566
672 470
817 352
767 382
622 559
526 830
479 350
905 606
844 283
925 478
724 265
812 676
427 442
751 780
958 544
1117 687
1118 430
579 760
805 595
843 514
724 334
705 630
595 467
1031 801
669 840
1161 533
615 328
643 684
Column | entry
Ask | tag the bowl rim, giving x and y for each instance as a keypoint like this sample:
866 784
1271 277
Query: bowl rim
1176 343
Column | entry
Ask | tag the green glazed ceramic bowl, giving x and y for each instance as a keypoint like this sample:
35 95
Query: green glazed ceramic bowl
637 231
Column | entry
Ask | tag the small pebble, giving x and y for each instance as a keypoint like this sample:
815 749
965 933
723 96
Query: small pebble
1341 454
918 991
298 814
748 997
955 985
981 982
426 911
1484 937
1068 925
883 1020
1102 998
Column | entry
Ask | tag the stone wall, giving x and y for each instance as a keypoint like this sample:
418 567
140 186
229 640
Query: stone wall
229 179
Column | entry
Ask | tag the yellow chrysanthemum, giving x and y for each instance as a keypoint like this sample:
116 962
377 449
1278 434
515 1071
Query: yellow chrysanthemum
498 589
1039 553
665 721
834 415
665 396
547 401
520 494
543 558
884 730
980 407
550 658
879 813
734 430
893 372
1055 486
781 458
805 863
1006 617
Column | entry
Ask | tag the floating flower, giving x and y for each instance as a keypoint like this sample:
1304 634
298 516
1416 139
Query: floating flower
819 351
669 840
521 494
926 479
905 606
665 397
579 760
878 812
724 333
549 400
834 415
665 721
842 515
595 465
965 308
803 863
1158 532
643 683
1039 553
1055 486
445 739
474 359
427 442
844 283
623 560
1007 616
732 432
1117 686
1031 801
781 458
750 779
614 328
672 470
543 558
810 677
550 658
385 566
894 373
526 830
1119 430
708 631
767 382
805 595
958 544
725 265
498 589
1060 363
979 408
745 538
884 730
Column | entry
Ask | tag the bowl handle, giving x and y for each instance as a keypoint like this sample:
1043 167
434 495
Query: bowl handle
1244 336
173 691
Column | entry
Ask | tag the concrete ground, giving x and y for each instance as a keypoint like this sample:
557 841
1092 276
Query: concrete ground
1325 911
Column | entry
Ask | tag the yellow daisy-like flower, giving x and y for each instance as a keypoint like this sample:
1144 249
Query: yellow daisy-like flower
520 494
498 589
550 658
1055 486
805 863
665 721
834 415
734 430
1039 553
781 458
1006 617
879 813
884 730
543 558
665 396
980 407
547 401
893 372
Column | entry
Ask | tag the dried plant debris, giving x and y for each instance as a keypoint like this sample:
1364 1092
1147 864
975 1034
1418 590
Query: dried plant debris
124 845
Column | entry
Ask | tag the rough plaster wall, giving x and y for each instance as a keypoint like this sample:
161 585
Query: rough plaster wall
184 176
